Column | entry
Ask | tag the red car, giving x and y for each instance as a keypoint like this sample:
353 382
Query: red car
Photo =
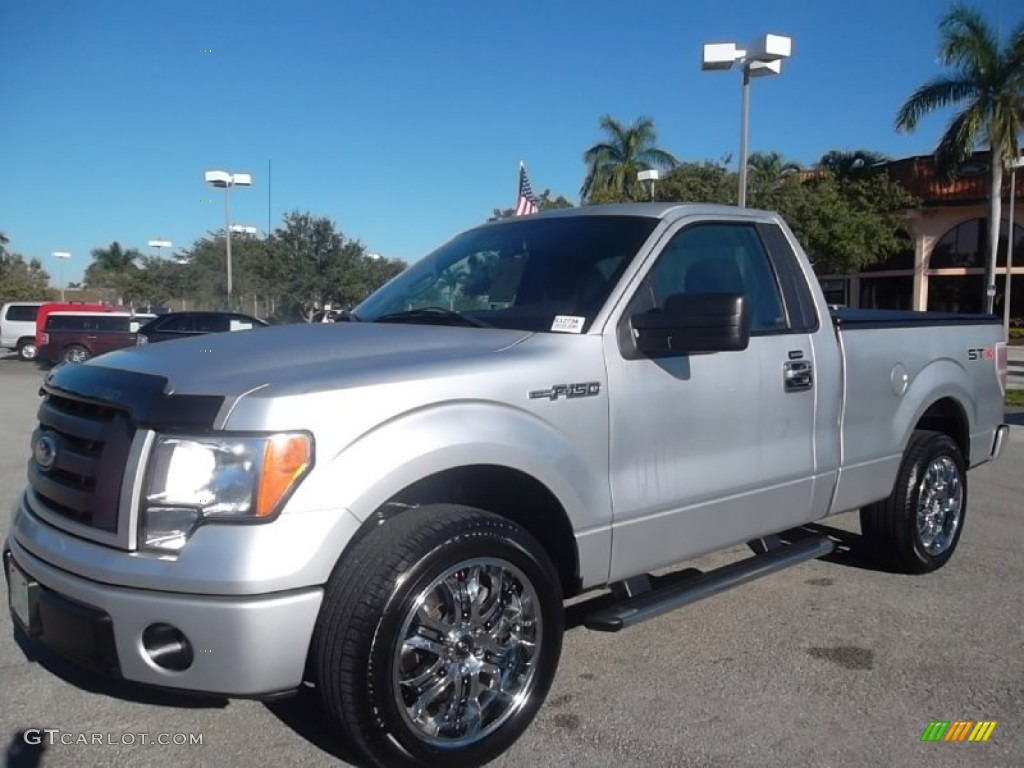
74 337
46 309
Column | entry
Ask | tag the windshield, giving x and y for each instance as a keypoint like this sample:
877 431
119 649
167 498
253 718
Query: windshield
520 274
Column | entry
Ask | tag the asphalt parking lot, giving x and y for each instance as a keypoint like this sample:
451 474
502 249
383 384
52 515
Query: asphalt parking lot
825 664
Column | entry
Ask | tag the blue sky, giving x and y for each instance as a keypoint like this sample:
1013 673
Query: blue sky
405 121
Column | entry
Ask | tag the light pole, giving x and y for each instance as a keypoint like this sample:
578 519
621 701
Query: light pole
158 244
225 180
761 58
61 257
1018 162
647 179
183 263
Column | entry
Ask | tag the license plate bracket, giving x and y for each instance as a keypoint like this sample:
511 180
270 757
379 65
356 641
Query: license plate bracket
22 596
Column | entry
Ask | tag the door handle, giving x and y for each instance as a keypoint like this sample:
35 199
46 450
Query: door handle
798 375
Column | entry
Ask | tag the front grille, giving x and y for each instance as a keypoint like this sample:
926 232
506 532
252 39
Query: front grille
91 443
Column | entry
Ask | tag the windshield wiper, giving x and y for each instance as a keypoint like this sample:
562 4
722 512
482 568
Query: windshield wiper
429 314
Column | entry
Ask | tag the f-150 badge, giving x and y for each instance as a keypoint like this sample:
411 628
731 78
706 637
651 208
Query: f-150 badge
568 391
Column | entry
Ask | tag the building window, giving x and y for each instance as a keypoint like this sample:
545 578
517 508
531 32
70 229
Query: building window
895 292
966 246
955 293
835 290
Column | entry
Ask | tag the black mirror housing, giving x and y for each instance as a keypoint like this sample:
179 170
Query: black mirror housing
694 323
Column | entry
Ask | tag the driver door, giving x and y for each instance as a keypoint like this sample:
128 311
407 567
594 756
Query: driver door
707 450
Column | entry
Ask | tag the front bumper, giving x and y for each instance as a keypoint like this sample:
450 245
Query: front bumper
241 645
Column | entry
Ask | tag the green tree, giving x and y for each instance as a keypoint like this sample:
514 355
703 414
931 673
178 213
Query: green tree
767 170
703 182
844 226
852 164
21 279
986 84
116 268
612 164
309 263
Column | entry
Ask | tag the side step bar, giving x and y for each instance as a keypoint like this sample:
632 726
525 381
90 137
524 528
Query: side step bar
659 600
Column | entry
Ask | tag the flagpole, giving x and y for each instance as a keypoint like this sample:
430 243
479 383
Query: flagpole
518 176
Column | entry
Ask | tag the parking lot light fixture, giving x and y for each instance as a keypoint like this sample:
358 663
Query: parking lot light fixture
61 257
160 244
226 180
647 179
761 58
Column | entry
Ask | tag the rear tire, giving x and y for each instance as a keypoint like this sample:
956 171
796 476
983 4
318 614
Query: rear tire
917 529
76 354
27 350
439 638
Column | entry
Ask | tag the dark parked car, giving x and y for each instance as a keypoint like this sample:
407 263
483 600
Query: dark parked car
74 337
180 325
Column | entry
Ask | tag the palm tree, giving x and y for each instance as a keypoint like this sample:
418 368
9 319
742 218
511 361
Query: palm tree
850 165
114 258
612 165
768 170
987 82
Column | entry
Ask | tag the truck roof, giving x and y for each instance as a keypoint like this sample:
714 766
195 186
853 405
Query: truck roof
669 211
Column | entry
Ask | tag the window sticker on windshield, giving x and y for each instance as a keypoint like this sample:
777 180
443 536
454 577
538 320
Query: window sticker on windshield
568 324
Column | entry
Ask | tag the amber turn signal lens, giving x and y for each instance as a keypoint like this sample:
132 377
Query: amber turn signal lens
285 459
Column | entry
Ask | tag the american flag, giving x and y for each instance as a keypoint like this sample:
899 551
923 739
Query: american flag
526 203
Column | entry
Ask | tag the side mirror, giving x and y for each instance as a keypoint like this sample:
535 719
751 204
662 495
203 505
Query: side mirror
692 323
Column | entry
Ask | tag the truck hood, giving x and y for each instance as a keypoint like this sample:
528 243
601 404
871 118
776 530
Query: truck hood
293 358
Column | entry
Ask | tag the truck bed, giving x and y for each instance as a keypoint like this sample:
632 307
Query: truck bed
897 365
904 318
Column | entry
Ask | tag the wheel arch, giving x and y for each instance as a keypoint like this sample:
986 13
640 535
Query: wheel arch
948 416
500 490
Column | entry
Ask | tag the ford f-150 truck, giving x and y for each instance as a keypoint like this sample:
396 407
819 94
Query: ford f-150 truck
393 510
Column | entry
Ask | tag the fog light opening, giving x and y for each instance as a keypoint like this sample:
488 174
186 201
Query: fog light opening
167 647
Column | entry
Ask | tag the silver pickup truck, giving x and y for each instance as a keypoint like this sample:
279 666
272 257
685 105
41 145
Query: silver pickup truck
393 510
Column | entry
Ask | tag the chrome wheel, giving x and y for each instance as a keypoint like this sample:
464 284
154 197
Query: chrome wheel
940 505
76 354
467 652
27 351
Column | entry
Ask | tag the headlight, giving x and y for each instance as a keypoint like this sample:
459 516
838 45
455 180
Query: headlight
195 479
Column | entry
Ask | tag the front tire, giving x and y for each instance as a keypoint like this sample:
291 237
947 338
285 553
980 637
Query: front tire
917 529
439 638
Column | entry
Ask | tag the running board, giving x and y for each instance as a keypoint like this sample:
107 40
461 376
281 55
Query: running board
659 600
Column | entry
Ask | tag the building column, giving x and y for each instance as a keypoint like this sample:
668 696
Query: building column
920 297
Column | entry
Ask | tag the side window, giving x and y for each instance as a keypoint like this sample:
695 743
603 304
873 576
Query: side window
59 323
211 323
109 323
716 258
22 313
174 323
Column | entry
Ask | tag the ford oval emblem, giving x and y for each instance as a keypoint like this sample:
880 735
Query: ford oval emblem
45 452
